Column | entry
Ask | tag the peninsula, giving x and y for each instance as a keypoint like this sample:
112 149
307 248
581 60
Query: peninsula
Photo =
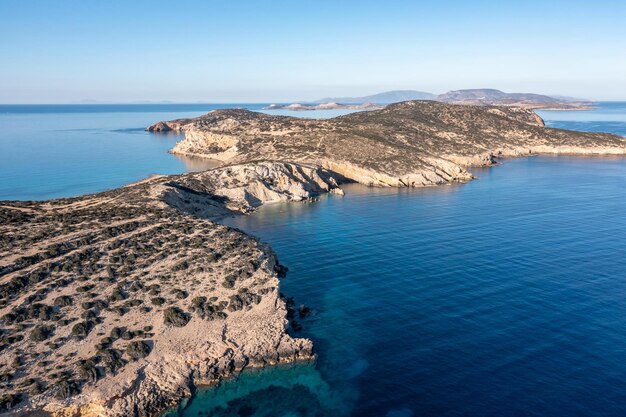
408 144
120 303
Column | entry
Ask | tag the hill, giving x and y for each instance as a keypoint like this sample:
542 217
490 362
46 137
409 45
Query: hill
490 96
381 98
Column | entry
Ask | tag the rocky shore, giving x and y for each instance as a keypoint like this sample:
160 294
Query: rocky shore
120 303
409 144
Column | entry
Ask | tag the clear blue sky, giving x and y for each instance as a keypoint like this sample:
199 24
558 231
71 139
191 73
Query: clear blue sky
240 51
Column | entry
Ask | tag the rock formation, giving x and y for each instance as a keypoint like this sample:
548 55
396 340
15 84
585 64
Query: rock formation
415 143
119 303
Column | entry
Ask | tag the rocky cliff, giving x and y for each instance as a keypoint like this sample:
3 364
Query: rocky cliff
415 143
120 303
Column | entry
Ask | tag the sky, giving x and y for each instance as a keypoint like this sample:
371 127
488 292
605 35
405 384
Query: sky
281 51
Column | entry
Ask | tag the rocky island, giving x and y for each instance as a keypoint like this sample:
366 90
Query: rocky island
323 106
408 144
472 96
121 303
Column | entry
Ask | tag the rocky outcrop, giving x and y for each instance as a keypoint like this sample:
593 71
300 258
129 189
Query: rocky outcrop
410 144
242 188
121 303
442 172
174 125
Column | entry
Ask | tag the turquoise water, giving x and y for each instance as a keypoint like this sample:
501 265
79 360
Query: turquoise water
505 296
51 151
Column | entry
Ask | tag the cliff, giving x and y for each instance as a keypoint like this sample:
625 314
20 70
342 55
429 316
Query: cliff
414 143
120 303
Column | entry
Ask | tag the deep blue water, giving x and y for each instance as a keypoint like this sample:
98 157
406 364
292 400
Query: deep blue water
51 151
505 296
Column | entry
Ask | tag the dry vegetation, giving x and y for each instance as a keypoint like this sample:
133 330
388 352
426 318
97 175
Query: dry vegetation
91 286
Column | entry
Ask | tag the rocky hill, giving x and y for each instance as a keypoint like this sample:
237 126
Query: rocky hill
413 143
476 97
121 303
490 96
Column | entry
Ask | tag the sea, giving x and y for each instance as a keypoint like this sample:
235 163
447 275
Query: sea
54 151
504 296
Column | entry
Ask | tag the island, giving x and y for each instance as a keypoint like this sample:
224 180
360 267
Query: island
121 303
474 97
323 106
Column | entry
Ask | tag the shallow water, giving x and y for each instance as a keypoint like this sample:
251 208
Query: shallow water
51 151
505 296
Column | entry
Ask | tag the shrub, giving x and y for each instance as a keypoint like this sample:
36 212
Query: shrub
8 401
180 266
63 301
37 388
158 301
85 288
174 316
128 335
88 370
41 333
82 329
116 332
65 389
117 295
111 360
119 310
138 349
180 294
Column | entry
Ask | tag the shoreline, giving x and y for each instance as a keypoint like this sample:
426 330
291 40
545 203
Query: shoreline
172 225
250 332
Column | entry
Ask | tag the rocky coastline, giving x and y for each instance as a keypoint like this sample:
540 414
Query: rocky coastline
120 303
409 144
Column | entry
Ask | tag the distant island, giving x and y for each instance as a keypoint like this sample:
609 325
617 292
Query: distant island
323 106
476 97
488 96
386 97
122 303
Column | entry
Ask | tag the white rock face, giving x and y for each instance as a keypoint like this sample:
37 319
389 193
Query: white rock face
242 188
